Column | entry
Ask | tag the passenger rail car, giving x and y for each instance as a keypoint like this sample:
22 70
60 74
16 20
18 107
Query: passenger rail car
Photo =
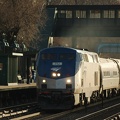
67 77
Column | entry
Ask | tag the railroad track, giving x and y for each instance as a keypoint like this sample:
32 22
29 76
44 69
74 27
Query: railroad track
79 113
85 112
18 110
114 117
100 114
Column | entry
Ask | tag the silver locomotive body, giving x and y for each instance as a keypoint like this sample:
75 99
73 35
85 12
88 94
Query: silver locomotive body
67 77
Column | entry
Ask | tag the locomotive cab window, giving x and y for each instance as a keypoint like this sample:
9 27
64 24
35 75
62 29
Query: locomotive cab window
95 58
85 57
90 58
67 56
47 56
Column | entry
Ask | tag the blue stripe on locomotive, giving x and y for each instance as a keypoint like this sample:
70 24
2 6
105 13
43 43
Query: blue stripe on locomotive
64 66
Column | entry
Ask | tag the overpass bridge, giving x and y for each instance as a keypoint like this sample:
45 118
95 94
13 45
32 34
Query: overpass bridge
84 26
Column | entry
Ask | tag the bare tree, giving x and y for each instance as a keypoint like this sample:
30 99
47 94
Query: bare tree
25 18
21 18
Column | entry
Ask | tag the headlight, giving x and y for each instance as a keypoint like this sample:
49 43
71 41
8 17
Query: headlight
54 75
58 74
44 81
68 81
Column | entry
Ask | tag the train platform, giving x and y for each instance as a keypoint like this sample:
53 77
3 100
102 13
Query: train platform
19 94
17 86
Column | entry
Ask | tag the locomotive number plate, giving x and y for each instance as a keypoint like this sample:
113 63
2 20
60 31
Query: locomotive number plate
57 63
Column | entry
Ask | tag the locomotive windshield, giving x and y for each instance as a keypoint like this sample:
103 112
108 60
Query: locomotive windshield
48 56
61 56
66 56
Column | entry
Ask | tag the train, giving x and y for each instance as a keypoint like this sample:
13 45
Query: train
67 77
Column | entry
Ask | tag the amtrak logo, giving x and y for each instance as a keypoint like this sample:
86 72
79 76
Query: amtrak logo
55 68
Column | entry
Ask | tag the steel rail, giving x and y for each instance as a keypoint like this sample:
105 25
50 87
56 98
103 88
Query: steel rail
97 113
115 117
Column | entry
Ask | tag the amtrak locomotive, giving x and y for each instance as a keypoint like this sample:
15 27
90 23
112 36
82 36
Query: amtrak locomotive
67 77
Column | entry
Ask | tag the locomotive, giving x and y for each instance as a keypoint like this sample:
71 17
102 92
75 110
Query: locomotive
67 77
